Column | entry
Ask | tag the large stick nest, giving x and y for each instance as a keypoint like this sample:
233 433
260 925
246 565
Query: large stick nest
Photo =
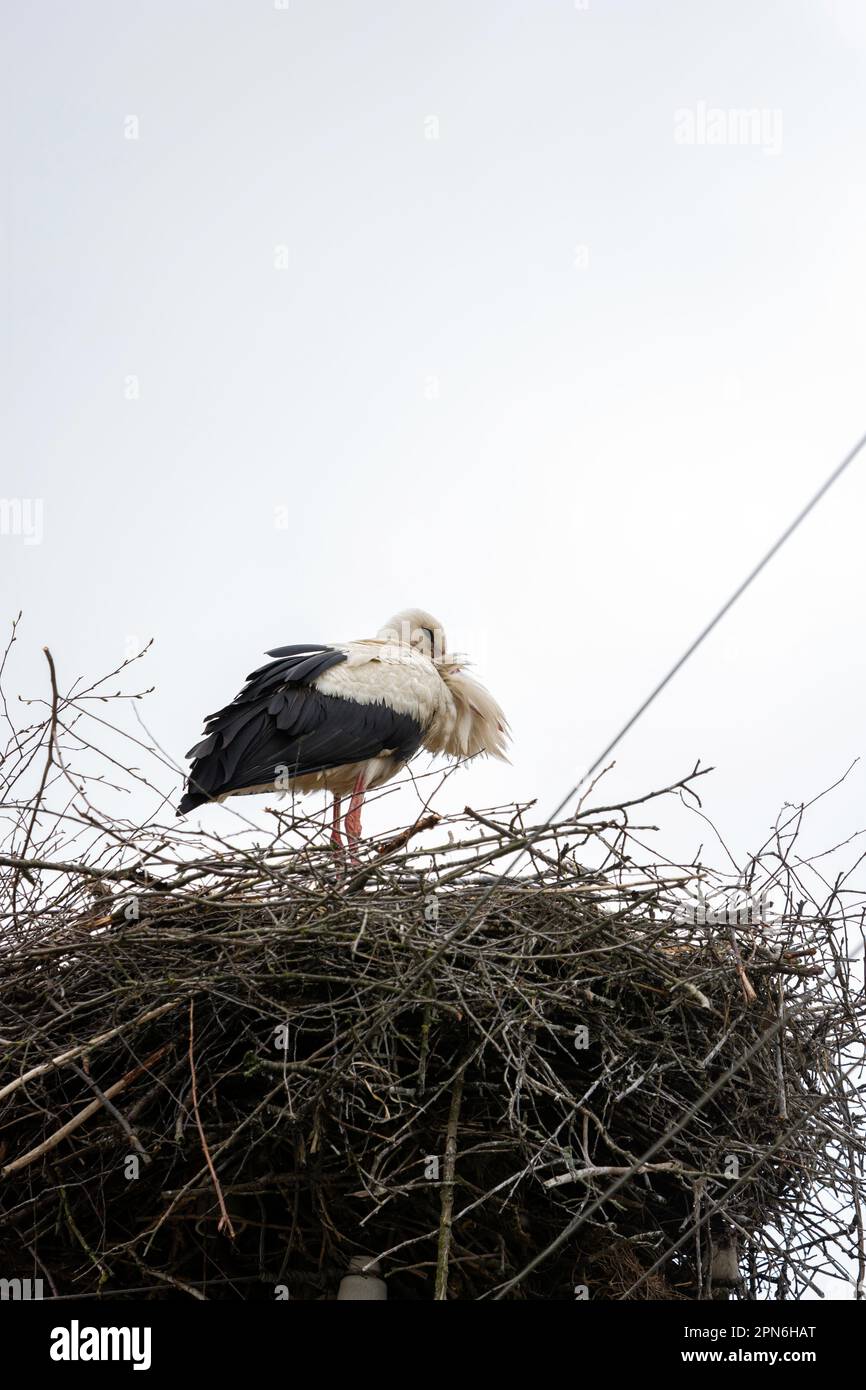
228 1070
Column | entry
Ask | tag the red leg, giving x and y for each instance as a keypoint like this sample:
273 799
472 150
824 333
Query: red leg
336 837
352 821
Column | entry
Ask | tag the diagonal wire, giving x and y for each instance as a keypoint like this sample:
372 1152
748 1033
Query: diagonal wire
675 1128
714 621
529 840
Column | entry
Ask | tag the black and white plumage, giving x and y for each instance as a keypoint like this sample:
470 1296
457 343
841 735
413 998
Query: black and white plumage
345 718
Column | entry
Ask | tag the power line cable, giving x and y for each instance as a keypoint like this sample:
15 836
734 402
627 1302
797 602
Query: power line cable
540 831
725 608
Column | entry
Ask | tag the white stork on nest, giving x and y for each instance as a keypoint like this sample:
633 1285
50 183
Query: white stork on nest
345 719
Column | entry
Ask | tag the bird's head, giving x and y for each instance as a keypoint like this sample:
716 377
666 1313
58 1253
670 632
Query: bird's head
414 628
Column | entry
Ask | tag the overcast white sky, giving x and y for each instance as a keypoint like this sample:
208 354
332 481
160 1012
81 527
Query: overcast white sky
441 281
442 288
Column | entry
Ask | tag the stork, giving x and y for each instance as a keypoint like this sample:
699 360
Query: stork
345 718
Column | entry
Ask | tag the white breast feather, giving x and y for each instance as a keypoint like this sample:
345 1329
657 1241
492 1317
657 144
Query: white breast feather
387 674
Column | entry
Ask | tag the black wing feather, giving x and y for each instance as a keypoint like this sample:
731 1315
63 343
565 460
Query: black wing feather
346 732
297 647
280 721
